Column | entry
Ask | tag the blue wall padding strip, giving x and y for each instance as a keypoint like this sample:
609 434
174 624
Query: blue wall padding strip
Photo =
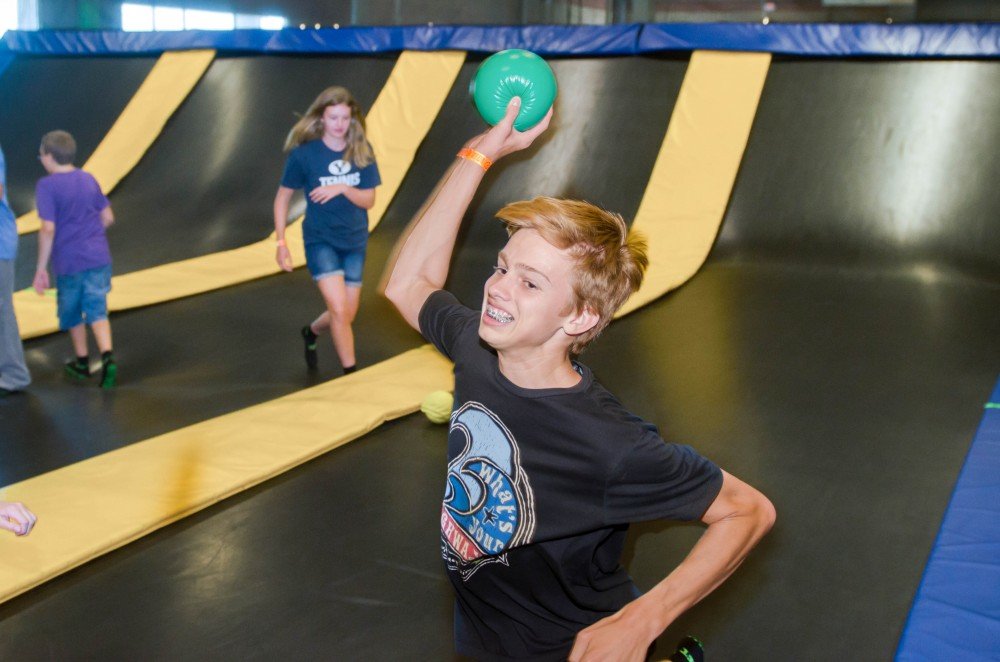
822 40
956 612
829 39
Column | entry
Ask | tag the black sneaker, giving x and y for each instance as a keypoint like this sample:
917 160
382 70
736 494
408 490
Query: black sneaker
309 338
109 374
77 370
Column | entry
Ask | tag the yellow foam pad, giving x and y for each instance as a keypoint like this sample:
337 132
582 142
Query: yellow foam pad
403 114
168 84
100 504
692 179
398 122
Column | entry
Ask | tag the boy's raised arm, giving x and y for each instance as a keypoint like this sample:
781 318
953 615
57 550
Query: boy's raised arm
424 252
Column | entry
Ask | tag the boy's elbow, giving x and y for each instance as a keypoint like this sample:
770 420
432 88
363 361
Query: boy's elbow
765 513
393 292
759 511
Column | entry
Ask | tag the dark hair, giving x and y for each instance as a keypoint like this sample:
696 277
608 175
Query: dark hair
60 145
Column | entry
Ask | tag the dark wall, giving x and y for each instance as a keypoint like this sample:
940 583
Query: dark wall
857 162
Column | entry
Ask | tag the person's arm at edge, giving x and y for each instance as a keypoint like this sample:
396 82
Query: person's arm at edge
15 517
46 235
737 519
421 262
281 201
107 217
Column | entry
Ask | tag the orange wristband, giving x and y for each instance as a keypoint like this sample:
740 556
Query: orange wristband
281 242
472 155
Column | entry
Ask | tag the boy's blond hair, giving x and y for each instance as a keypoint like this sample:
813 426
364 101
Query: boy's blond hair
60 145
610 259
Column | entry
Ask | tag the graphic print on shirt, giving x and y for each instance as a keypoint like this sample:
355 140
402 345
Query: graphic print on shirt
340 171
488 505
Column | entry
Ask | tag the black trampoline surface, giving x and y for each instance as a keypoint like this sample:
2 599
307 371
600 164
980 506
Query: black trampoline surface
841 375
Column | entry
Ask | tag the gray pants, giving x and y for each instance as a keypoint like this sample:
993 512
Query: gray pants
13 373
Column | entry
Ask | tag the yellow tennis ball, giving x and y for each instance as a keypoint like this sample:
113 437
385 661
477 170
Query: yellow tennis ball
437 406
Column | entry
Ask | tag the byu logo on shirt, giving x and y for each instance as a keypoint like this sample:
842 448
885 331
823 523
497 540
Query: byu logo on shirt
341 174
339 167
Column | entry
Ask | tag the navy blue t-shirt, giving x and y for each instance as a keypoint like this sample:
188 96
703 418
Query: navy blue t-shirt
338 222
541 487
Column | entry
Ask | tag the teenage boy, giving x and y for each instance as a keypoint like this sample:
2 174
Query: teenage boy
75 214
546 468
14 374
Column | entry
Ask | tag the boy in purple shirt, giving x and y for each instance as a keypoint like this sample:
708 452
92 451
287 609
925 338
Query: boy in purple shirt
74 214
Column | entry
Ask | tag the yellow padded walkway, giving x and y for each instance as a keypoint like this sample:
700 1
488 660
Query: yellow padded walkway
89 508
398 122
100 504
168 84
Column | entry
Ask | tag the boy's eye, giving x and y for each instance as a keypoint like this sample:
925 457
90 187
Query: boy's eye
500 270
530 285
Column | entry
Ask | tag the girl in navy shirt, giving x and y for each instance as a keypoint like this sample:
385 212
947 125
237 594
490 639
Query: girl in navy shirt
331 160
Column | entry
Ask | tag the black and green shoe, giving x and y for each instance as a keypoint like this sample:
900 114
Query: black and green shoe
309 339
77 369
109 373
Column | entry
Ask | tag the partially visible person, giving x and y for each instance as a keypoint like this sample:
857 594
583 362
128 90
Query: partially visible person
75 214
330 159
15 517
14 374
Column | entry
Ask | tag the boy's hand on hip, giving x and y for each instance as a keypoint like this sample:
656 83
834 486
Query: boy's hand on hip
624 636
41 282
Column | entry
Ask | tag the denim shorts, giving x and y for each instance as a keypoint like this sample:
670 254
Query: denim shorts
324 260
83 297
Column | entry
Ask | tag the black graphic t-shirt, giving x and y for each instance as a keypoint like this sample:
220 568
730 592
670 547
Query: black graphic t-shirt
541 486
338 222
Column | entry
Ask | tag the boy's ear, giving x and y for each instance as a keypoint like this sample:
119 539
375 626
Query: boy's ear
582 321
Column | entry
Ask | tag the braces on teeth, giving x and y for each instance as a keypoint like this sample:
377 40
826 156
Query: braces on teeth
499 316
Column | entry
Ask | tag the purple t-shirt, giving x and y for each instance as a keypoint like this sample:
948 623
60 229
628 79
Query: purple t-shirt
74 201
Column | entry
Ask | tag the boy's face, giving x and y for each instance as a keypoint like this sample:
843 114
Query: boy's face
528 302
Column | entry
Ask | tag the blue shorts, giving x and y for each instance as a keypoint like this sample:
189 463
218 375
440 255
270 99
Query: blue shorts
324 261
83 297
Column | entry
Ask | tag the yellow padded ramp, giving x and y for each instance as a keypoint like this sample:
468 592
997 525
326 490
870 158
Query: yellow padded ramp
415 92
89 508
399 119
168 84
693 177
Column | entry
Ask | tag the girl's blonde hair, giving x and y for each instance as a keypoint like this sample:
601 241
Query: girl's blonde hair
610 259
310 126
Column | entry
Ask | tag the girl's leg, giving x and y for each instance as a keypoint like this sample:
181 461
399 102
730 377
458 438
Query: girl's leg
321 323
338 305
